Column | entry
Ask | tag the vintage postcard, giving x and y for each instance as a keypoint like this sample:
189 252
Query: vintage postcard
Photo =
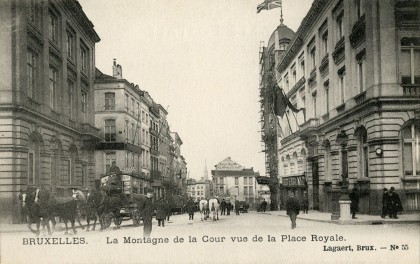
203 131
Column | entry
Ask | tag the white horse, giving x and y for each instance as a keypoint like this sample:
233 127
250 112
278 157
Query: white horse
204 209
214 208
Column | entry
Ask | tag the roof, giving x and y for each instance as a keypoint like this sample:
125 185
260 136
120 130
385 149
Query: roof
244 172
284 33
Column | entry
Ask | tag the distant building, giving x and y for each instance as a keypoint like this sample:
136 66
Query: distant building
47 51
232 180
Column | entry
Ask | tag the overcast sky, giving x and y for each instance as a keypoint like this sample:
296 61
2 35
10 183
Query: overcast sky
199 58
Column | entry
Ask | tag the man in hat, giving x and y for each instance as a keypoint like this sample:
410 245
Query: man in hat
385 203
146 210
354 205
395 205
292 208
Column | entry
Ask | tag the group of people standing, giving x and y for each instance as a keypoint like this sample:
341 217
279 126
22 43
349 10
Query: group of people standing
391 203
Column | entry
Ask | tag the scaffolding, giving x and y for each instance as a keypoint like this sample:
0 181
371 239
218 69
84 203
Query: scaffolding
267 118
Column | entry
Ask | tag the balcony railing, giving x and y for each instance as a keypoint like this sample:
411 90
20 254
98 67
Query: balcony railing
311 123
411 89
360 98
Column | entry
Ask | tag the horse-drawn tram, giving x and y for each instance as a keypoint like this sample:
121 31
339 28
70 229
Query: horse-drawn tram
124 199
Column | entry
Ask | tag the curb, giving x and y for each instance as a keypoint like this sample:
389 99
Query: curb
360 222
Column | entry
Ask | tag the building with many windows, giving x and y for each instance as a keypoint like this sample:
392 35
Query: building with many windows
352 66
232 180
48 134
137 137
122 114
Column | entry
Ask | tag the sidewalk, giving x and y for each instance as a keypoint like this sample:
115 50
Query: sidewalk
311 216
361 218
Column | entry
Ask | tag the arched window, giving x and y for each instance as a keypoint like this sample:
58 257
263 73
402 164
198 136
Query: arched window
363 152
411 149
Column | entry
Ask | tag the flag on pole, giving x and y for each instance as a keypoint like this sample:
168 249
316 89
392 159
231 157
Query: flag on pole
281 102
268 4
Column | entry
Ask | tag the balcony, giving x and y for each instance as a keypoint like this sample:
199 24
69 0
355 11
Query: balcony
309 126
339 51
411 89
360 98
358 33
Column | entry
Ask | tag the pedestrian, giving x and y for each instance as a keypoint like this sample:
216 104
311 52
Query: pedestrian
168 210
385 203
292 208
237 207
146 210
190 208
161 209
228 207
354 205
223 207
395 203
305 204
263 205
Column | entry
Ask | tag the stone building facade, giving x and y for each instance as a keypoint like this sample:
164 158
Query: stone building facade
47 114
353 66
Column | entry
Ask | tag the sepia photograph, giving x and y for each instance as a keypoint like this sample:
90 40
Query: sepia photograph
209 131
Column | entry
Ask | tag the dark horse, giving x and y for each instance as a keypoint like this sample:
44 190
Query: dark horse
43 207
88 206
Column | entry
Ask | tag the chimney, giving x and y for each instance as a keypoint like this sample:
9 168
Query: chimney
116 70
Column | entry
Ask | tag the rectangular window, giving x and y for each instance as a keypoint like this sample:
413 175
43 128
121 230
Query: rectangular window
411 152
109 101
133 133
313 56
126 130
361 76
324 44
342 88
314 104
409 61
70 45
126 159
327 96
302 66
339 26
250 181
53 28
126 101
286 82
70 93
132 106
110 130
293 70
84 100
245 181
53 79
84 59
245 190
33 11
31 60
